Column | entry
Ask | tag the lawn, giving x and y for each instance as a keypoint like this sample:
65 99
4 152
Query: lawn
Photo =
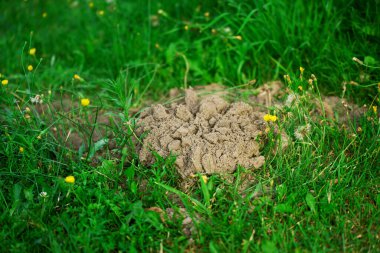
76 76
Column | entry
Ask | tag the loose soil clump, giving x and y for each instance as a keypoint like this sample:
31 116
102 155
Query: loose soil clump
207 135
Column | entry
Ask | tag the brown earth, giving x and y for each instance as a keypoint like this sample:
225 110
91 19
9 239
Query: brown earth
207 134
73 126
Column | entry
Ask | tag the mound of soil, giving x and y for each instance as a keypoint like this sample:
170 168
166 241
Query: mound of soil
207 135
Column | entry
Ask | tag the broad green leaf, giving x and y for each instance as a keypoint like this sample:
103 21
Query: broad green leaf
134 187
100 144
310 201
283 208
369 60
269 247
213 247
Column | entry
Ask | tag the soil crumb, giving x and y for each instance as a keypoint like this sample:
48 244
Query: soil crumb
206 134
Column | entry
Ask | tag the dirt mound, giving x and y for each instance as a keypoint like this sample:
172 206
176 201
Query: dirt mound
208 135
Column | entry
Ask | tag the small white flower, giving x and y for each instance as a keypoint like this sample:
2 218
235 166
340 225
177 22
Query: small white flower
302 131
290 99
298 135
36 100
227 30
43 194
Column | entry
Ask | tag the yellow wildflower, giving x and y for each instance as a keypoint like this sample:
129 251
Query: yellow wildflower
274 118
4 82
267 117
77 77
374 108
302 70
85 101
205 179
21 149
207 14
270 118
70 179
32 51
30 67
300 88
238 37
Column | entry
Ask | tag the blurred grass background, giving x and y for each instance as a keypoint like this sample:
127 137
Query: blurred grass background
231 42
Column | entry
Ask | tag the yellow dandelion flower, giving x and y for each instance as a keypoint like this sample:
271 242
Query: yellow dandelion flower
30 68
374 108
270 118
267 117
85 101
32 51
77 77
4 82
21 150
70 179
302 70
44 15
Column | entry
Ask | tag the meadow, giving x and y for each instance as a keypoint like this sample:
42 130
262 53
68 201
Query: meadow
107 59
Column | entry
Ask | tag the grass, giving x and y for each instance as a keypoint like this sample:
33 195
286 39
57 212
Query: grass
320 194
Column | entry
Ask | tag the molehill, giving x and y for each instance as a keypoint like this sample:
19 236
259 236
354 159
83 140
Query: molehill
206 134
